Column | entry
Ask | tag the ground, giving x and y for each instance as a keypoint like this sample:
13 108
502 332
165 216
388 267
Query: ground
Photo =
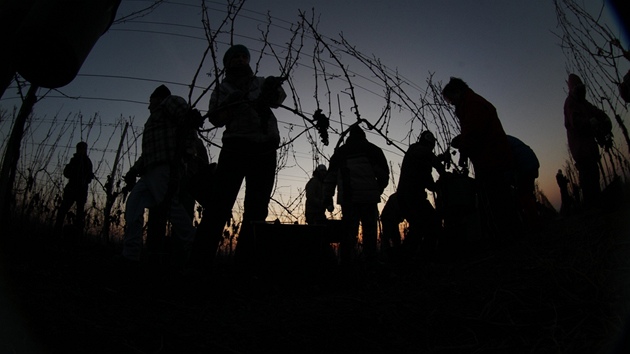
560 290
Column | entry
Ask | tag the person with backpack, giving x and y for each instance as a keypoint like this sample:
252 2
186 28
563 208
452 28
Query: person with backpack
79 174
160 167
359 171
242 103
587 127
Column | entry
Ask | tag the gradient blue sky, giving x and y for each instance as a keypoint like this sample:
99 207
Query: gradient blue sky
505 50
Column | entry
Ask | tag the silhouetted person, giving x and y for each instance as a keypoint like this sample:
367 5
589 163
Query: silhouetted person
565 198
242 104
584 122
160 168
315 203
415 178
484 142
195 181
391 217
79 174
361 170
526 167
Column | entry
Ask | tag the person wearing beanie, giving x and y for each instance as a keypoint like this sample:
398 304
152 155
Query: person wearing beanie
158 168
582 120
241 104
359 170
483 141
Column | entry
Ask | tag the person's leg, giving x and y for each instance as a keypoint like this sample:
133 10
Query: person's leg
431 228
156 231
66 204
369 226
80 220
139 198
347 247
148 192
502 214
259 181
390 221
589 182
226 184
183 233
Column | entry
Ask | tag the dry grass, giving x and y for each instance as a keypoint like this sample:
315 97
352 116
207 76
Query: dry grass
560 291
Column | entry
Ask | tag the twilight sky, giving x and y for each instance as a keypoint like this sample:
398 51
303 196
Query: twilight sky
505 50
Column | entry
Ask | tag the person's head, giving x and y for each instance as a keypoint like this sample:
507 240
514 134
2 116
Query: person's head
236 56
559 172
158 95
577 88
454 90
82 148
320 171
356 132
427 139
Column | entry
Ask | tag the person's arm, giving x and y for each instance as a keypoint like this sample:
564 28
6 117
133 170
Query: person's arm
330 182
221 99
271 92
381 169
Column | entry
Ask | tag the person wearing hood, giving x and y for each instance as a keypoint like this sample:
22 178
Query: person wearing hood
583 122
359 171
242 103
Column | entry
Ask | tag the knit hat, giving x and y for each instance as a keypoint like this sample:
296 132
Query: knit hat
162 92
574 81
321 168
235 49
356 131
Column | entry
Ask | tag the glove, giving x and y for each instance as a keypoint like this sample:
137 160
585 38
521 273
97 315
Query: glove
456 142
269 91
273 82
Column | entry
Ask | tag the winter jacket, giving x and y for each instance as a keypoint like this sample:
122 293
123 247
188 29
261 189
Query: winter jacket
245 118
79 173
416 175
160 136
361 170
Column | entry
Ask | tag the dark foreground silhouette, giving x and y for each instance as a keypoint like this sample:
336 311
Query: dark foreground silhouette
558 291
